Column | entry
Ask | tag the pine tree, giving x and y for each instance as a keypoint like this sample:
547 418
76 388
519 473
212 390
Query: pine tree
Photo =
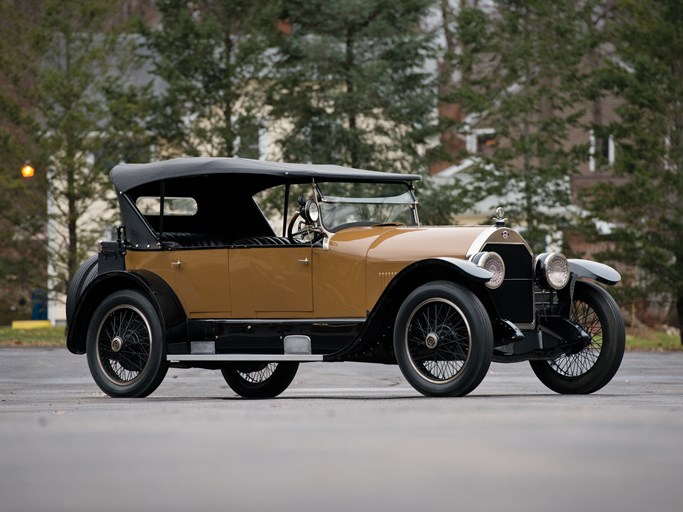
520 78
351 86
87 121
645 207
23 255
212 56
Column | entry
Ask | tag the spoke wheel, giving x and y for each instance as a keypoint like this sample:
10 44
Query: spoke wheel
259 380
593 366
575 364
438 340
125 346
124 342
443 339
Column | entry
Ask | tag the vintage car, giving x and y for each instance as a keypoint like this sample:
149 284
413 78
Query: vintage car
199 277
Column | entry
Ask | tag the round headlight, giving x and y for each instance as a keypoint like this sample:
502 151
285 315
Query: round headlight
556 270
492 262
312 213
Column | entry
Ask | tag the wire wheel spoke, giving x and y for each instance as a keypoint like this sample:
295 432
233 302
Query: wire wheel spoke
438 340
259 376
124 344
580 363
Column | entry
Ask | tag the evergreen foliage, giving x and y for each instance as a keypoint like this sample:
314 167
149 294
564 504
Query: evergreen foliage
213 56
645 207
351 85
88 120
519 71
23 255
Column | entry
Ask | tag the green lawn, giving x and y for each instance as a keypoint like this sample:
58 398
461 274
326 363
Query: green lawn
51 337
647 340
650 340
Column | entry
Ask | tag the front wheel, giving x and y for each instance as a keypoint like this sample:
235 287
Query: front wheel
259 380
443 339
594 366
125 345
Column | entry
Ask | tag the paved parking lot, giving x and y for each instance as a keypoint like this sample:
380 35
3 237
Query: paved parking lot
343 437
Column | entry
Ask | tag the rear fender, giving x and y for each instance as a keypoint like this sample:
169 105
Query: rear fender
171 313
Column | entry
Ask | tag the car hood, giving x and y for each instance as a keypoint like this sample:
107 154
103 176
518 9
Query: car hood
394 243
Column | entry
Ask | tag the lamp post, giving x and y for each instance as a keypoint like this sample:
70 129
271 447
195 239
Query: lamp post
28 171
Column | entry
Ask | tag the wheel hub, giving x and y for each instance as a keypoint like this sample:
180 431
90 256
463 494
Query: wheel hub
116 343
432 340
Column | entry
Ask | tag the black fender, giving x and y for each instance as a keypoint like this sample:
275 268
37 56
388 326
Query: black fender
593 270
465 268
171 313
85 275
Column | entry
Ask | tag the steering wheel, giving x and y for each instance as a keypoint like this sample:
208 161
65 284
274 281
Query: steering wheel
301 236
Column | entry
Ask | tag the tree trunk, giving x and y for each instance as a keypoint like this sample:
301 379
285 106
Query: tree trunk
72 206
450 112
229 129
350 89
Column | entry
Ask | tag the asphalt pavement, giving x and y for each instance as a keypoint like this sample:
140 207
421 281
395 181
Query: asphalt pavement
343 437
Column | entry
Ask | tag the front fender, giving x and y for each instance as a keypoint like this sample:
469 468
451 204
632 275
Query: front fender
171 313
594 270
468 269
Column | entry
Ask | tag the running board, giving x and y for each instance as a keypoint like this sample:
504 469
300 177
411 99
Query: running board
301 358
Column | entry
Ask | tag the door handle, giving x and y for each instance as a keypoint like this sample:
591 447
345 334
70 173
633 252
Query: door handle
304 261
175 264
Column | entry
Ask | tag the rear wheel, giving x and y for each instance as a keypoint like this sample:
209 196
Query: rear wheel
443 339
125 345
259 380
591 368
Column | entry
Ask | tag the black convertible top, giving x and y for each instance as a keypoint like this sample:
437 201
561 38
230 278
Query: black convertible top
128 176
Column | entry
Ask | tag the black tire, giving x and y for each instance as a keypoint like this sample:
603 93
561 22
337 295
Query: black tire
259 380
85 275
126 346
443 339
594 366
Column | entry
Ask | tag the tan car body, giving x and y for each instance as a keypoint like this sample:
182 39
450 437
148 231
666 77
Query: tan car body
198 277
343 279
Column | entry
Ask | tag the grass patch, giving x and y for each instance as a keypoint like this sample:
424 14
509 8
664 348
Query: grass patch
651 340
50 337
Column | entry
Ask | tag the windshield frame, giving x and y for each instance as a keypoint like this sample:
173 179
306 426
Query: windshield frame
410 203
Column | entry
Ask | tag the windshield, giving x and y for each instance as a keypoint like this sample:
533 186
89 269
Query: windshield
365 204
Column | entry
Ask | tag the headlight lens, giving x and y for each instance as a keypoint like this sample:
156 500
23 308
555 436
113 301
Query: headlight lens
312 213
492 262
555 269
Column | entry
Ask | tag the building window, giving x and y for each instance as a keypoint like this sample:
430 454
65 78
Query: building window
600 151
481 141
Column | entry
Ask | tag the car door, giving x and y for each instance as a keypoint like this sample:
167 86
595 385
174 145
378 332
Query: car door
199 277
271 282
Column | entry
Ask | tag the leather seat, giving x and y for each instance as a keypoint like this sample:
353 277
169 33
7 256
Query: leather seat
267 241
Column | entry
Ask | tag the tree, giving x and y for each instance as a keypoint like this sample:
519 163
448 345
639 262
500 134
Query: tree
350 84
520 78
22 201
212 56
87 120
465 32
645 208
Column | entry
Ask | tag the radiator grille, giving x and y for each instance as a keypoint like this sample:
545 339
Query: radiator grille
515 297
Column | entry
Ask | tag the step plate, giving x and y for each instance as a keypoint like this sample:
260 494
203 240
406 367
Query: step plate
179 358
